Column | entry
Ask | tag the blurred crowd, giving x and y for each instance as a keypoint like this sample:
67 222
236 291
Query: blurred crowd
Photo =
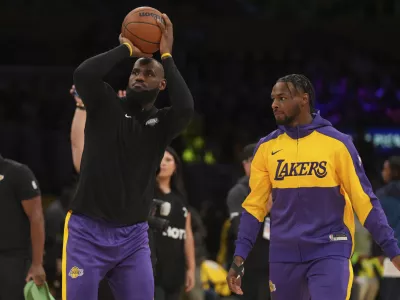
357 88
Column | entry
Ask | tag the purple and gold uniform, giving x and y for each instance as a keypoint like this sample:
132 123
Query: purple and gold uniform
317 181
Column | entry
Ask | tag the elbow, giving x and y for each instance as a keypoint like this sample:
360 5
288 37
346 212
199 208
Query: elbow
81 74
77 166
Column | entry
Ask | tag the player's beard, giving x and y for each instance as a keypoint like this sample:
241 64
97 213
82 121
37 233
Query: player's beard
289 119
141 98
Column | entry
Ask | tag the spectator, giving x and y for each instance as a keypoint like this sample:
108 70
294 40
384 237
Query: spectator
390 200
255 284
175 267
21 230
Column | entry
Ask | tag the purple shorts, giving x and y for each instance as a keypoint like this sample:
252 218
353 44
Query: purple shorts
328 278
95 249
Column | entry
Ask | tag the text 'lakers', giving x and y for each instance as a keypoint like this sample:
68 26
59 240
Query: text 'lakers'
307 168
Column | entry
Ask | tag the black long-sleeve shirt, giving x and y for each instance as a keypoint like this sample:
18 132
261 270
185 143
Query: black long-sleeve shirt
123 149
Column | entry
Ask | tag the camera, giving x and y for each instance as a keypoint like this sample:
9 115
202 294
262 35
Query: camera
159 208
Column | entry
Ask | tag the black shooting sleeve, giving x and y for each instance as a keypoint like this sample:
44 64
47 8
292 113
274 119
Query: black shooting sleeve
89 76
182 104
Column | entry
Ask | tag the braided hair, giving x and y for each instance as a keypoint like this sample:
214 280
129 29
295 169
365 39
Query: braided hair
301 83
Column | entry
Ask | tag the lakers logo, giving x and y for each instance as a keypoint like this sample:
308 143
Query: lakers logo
272 287
284 169
75 272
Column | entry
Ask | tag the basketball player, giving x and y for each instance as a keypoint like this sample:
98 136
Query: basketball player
316 178
77 146
106 229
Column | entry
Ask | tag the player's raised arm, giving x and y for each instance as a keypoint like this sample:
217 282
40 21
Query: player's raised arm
182 108
364 201
78 130
88 77
255 209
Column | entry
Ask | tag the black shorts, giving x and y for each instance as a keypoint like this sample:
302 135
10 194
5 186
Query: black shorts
14 269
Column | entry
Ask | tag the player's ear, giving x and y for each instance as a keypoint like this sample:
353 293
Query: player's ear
163 84
306 100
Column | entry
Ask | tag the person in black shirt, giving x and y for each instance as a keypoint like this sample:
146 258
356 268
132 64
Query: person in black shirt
21 230
173 273
77 146
125 139
255 284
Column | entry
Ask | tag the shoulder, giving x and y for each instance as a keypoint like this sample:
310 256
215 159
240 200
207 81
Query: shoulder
389 190
381 193
21 177
342 140
270 137
12 163
267 140
333 133
17 168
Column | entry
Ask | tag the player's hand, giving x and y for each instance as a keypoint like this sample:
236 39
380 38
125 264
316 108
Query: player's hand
234 282
74 94
233 278
396 262
167 38
190 280
121 93
135 50
37 274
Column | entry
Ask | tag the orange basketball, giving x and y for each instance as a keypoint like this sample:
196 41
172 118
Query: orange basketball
141 28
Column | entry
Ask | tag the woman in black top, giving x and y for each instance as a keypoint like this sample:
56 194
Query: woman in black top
175 267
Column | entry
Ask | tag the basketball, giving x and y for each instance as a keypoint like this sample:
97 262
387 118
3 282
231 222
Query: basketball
141 28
